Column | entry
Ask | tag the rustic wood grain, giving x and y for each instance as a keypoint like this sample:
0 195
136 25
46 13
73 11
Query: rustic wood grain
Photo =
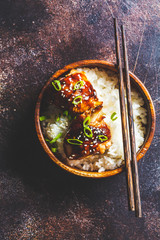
126 147
135 175
106 65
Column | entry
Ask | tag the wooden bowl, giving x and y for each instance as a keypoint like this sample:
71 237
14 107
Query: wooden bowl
134 81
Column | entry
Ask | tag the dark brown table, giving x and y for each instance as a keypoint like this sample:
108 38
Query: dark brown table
38 200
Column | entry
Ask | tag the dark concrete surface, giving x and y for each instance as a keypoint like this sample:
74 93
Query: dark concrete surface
38 200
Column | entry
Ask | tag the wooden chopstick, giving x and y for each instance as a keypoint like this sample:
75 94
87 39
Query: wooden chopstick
131 129
124 123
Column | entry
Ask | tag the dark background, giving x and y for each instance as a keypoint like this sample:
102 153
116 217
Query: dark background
38 200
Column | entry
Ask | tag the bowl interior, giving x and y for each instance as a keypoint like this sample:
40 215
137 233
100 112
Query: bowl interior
46 96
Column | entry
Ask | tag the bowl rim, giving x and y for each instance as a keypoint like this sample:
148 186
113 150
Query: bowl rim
101 64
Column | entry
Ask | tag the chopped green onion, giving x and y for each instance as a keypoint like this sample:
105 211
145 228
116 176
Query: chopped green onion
78 85
88 132
47 140
54 150
113 118
103 138
86 121
65 113
56 138
42 118
76 101
74 141
69 117
57 85
58 118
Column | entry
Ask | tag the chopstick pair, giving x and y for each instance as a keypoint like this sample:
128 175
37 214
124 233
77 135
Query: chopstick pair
129 151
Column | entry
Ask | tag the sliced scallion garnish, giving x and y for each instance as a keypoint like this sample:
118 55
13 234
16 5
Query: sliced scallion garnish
113 118
65 113
77 100
58 117
103 138
86 121
56 138
88 132
57 85
69 117
75 141
47 140
54 150
78 85
42 118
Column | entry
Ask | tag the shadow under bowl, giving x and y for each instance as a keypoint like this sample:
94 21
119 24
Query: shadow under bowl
135 82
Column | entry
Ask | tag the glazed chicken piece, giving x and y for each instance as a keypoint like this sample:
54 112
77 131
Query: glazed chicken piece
75 93
87 135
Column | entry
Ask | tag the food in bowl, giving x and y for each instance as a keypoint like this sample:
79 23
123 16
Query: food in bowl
86 103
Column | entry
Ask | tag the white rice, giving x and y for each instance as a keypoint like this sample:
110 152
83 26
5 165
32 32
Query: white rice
106 85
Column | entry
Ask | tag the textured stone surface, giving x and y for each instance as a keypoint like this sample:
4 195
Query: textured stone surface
37 199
